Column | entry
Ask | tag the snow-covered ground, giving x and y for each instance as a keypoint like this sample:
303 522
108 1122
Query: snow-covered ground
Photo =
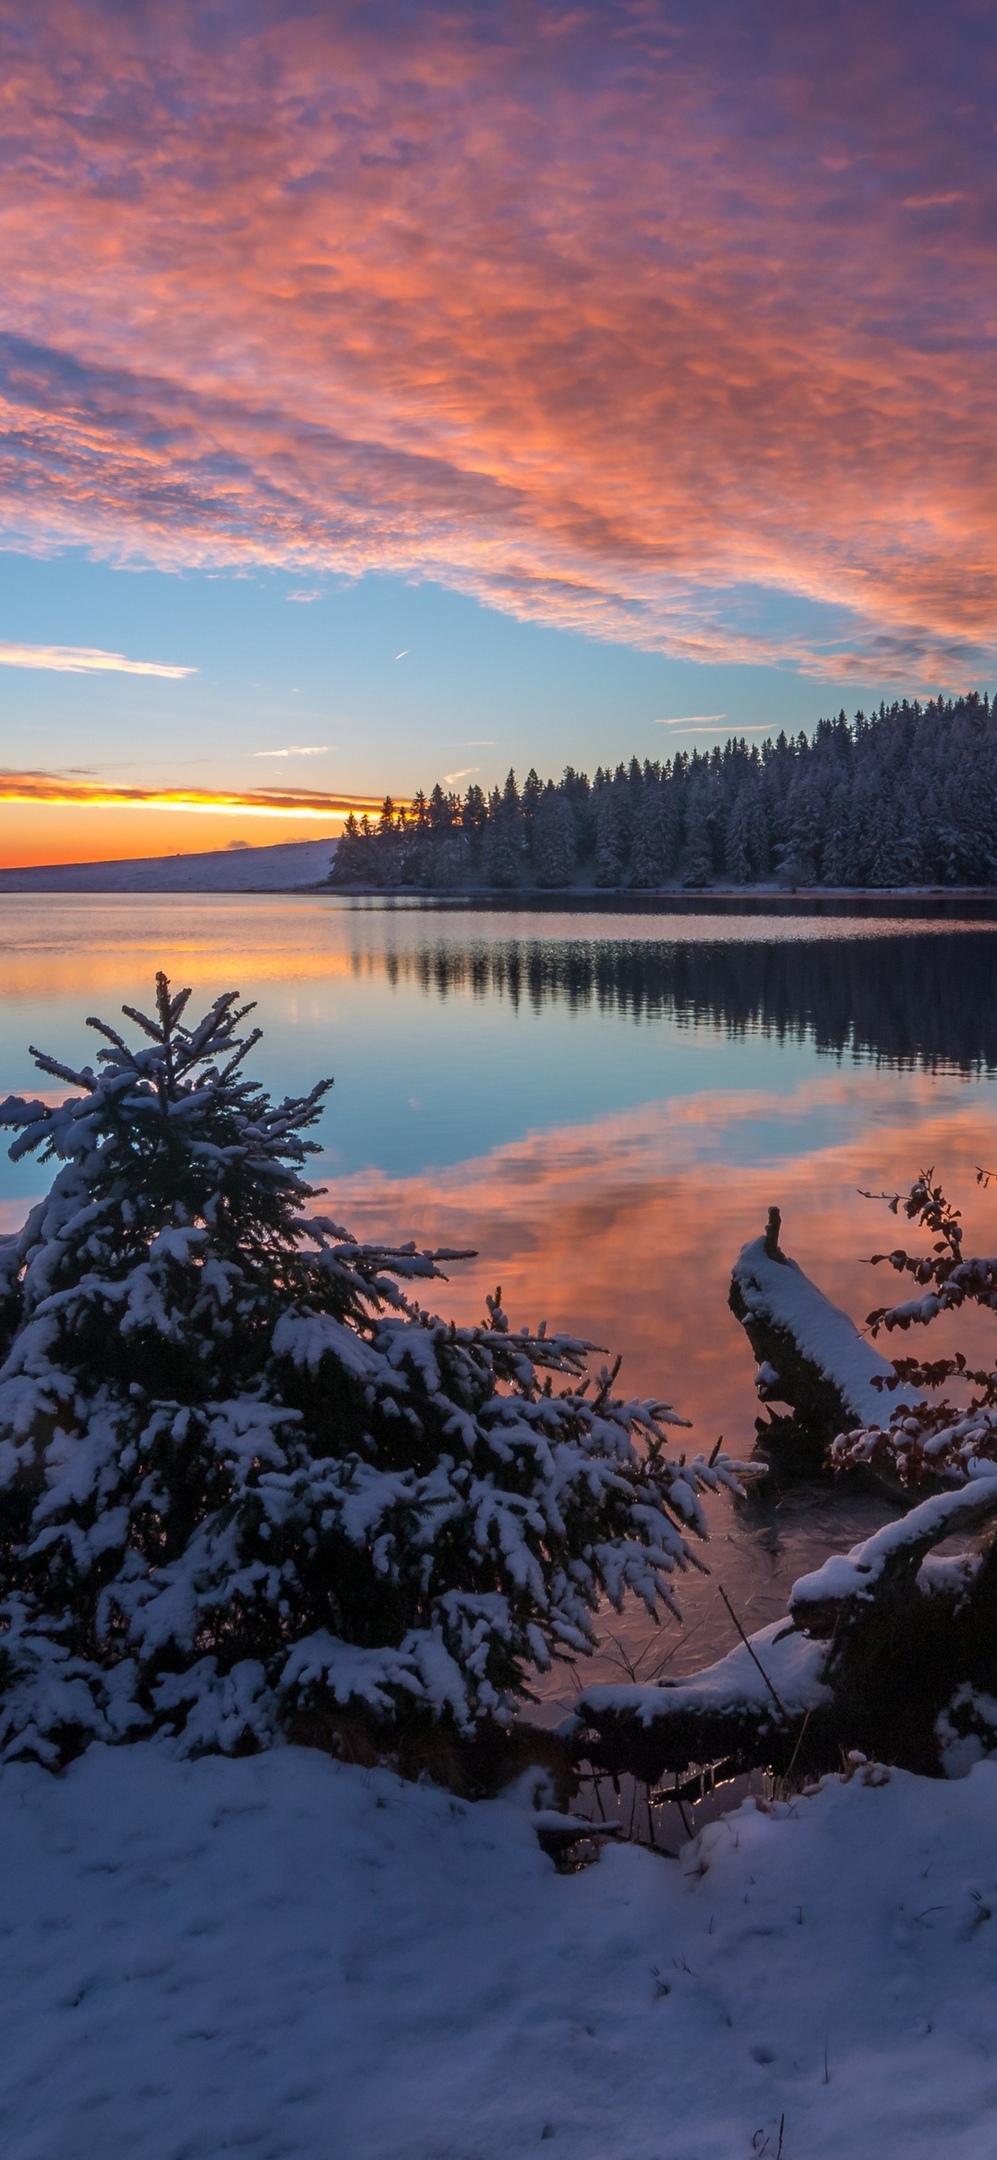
282 1956
280 868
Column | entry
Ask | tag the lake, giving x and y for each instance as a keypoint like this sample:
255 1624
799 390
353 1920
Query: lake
602 1103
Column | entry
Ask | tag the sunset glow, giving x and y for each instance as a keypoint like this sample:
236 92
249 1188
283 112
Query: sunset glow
66 793
46 818
660 326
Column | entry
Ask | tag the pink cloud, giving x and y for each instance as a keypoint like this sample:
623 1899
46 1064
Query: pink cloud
596 314
84 660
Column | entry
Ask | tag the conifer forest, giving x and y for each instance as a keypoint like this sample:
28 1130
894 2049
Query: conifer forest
905 797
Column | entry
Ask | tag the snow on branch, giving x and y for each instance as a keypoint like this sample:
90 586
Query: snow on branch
931 1440
831 1596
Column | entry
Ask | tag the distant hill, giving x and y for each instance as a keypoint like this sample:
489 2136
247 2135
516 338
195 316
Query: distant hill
281 868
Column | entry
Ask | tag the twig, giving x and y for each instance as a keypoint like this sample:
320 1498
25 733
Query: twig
799 1743
686 1824
773 1691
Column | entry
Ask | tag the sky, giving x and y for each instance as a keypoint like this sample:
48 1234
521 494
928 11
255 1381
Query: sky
398 392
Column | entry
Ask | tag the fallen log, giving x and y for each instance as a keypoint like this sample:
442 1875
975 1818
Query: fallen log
889 1649
882 1572
810 1355
748 1706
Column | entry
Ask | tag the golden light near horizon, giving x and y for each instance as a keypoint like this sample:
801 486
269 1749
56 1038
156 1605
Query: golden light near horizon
59 817
58 792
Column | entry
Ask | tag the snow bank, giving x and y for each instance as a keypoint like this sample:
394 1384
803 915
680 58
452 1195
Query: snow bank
777 1292
295 1960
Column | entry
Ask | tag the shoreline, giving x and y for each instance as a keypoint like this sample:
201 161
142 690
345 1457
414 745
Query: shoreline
958 902
667 900
287 870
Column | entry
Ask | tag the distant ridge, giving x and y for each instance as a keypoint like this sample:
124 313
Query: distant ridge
283 867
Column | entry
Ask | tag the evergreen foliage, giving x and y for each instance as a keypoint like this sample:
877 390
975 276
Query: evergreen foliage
908 797
243 1473
935 1439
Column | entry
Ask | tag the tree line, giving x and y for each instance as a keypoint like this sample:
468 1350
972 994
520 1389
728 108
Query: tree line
906 796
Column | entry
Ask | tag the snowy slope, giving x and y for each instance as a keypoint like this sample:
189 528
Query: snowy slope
261 869
299 1961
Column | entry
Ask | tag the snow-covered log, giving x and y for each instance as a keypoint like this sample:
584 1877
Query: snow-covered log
882 1570
887 1649
754 1698
810 1355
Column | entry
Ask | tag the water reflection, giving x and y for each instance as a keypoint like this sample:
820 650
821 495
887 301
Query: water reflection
912 998
627 1227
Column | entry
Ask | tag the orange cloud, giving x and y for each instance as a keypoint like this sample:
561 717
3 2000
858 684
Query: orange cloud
617 318
63 791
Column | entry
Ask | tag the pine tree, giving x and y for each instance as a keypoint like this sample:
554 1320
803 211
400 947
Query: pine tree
737 844
609 846
500 854
242 1472
553 839
698 866
532 792
474 818
648 865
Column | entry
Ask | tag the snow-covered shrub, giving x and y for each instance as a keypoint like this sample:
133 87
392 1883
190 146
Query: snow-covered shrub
932 1439
243 1473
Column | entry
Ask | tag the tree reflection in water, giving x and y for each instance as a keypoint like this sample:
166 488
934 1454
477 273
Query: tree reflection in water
921 999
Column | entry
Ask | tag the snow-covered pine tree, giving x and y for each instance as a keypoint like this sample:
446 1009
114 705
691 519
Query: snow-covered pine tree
553 838
649 862
698 863
611 808
502 850
242 1472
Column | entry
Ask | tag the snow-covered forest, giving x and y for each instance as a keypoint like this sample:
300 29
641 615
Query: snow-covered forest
905 797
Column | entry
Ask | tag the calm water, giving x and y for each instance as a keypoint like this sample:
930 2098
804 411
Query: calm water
603 1105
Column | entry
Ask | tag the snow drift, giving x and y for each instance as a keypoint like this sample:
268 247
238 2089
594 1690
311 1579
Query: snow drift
292 1959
